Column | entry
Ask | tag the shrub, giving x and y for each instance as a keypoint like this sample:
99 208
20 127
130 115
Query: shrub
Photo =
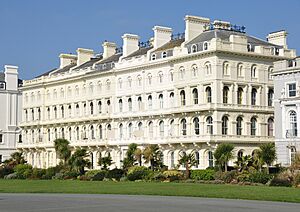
96 175
173 175
50 173
207 174
38 173
280 182
115 174
296 180
259 177
70 175
244 176
137 173
158 176
23 171
6 170
11 176
227 177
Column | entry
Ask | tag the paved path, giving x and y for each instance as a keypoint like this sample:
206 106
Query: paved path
124 203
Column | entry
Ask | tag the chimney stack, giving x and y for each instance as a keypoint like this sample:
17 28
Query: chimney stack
109 49
130 44
278 38
67 59
84 55
194 25
11 77
162 35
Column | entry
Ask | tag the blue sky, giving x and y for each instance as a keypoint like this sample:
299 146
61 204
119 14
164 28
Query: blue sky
34 32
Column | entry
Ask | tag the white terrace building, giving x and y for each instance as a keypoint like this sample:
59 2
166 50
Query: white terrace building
186 93
287 109
10 111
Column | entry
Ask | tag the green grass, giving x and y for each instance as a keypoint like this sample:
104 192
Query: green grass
152 188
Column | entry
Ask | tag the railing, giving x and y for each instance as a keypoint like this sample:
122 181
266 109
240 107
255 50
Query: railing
145 44
178 36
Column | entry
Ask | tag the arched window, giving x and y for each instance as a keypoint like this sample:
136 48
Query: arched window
205 46
160 77
149 79
194 70
77 133
182 97
140 126
99 106
240 96
253 71
32 114
55 112
161 129
139 79
77 110
208 94
225 94
108 128
270 127
130 130
26 115
171 130
129 104
208 68
100 132
121 131
120 83
62 111
172 99
209 125
55 133
140 104
120 105
39 114
84 109
181 72
91 108
183 127
270 71
253 96
224 125
239 127
91 88
240 70
70 110
196 126
161 101
226 71
92 132
194 48
70 133
129 82
293 124
195 96
293 154
210 159
153 57
108 85
150 102
164 55
197 159
172 160
150 129
49 135
171 76
240 154
48 113
253 125
270 97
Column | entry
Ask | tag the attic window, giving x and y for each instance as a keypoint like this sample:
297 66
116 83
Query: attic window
2 85
104 66
194 48
276 51
153 56
164 55
250 48
205 46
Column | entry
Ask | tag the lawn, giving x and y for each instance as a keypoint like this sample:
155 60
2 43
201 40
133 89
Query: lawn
152 188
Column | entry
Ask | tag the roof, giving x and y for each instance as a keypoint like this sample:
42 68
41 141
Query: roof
89 63
2 77
171 44
64 69
46 73
141 51
225 34
110 59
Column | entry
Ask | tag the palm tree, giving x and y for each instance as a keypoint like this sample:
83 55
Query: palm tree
62 149
105 162
78 161
257 161
153 155
129 160
267 154
244 162
223 154
188 160
138 156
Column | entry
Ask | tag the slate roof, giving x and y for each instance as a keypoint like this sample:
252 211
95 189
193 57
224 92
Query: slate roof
171 44
89 63
141 51
2 77
224 35
110 59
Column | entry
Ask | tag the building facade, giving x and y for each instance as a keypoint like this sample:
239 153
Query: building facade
187 93
11 108
287 109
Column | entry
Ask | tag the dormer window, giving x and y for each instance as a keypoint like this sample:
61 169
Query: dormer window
250 48
205 46
2 85
153 57
104 66
276 51
164 55
194 48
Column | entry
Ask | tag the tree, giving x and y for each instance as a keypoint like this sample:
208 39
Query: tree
244 162
153 155
257 160
138 153
63 150
267 154
129 160
78 161
223 154
105 162
187 160
16 158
